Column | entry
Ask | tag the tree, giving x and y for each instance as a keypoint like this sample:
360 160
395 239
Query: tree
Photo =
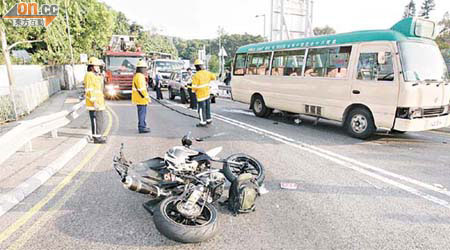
426 8
122 24
327 30
188 49
443 39
410 10
214 64
90 23
156 43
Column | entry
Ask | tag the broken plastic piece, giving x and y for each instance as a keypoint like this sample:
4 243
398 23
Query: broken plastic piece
288 185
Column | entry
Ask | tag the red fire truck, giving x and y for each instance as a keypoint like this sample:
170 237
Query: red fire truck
120 59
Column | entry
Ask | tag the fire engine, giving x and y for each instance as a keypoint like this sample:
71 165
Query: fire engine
121 58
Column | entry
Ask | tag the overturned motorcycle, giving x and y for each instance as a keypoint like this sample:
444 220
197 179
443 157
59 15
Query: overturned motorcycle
184 185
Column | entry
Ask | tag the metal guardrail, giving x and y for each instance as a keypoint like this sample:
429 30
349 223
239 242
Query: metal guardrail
21 136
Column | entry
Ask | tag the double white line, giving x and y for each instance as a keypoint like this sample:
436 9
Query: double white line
363 168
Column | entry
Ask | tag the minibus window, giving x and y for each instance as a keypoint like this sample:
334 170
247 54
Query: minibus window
240 64
259 64
370 70
328 62
338 66
288 63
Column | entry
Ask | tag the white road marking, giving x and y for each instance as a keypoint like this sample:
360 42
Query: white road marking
226 99
347 162
350 160
344 161
239 111
111 103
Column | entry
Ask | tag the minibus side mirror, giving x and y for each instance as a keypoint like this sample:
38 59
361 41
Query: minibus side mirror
382 58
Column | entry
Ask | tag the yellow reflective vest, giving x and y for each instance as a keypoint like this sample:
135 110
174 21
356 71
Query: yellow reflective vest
93 84
200 84
139 96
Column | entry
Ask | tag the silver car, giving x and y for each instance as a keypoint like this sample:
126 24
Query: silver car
178 86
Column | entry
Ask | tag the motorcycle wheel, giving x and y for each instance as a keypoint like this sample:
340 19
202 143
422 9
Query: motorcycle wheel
175 226
253 167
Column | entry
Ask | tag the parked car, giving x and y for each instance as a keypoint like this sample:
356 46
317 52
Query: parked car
165 67
178 86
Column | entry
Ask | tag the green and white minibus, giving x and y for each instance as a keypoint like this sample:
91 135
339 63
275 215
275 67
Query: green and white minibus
392 79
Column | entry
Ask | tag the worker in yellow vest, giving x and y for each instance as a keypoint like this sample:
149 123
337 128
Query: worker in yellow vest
200 85
140 97
95 100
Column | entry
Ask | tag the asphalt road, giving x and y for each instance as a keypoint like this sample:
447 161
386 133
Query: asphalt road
386 193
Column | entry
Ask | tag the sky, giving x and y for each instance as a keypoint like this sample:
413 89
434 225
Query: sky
201 18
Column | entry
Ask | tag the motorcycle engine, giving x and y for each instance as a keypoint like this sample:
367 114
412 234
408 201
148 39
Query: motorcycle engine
177 159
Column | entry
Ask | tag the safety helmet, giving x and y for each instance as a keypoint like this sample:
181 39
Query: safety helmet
142 64
94 61
198 62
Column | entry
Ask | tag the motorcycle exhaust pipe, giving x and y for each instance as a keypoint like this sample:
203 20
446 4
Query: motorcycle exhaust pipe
137 185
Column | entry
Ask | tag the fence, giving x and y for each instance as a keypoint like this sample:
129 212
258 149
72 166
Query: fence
34 85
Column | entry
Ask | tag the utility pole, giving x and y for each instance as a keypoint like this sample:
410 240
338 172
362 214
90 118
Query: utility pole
264 31
271 20
220 55
70 45
12 83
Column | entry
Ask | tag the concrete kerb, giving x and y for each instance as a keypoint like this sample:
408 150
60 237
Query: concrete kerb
14 197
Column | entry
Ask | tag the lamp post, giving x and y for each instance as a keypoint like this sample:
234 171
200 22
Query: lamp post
71 48
264 16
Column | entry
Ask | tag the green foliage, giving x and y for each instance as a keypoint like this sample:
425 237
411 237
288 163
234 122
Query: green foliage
136 29
410 9
443 40
327 30
214 64
156 43
427 7
91 25
122 24
188 49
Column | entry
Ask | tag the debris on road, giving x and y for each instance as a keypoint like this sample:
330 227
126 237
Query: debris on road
288 185
263 190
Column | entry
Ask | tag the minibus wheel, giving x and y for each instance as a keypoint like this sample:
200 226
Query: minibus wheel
359 123
259 107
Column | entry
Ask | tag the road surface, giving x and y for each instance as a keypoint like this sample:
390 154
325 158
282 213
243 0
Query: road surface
385 193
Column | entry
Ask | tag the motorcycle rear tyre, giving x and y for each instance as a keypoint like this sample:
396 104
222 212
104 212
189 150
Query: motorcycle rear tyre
231 176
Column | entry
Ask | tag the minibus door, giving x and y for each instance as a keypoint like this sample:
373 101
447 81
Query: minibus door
376 83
